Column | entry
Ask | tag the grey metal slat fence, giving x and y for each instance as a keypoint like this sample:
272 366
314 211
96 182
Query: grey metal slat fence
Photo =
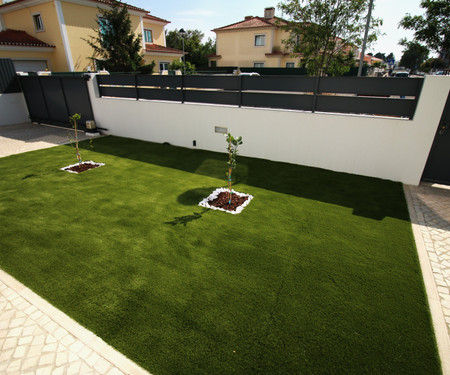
8 78
52 100
358 95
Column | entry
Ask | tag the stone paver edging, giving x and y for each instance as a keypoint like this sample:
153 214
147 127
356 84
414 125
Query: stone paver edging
429 240
37 338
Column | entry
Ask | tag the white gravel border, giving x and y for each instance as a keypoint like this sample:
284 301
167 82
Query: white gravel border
66 169
215 194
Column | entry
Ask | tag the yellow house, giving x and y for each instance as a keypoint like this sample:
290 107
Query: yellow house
254 42
48 34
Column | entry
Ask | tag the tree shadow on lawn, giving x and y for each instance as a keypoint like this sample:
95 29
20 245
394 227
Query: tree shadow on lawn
368 197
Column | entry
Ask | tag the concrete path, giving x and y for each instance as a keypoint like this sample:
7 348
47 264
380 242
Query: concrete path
15 139
429 207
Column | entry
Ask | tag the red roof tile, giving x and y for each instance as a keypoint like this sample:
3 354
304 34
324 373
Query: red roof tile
157 48
131 7
153 18
254 22
11 37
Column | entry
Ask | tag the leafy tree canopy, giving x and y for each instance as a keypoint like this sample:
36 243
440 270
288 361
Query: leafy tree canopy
323 31
116 47
197 51
178 65
431 64
432 28
380 55
390 56
413 55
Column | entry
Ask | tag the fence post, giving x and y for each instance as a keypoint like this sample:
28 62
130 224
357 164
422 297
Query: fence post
416 99
136 86
316 89
97 79
182 88
240 91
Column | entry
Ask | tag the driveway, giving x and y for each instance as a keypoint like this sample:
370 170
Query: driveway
15 139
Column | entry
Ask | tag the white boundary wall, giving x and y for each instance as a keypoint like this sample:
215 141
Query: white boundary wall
13 109
388 148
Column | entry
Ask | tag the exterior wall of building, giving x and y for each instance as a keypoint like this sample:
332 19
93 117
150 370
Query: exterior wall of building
28 55
80 22
237 47
22 19
158 59
66 24
157 32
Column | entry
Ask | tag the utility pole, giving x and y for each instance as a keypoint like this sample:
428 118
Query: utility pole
363 52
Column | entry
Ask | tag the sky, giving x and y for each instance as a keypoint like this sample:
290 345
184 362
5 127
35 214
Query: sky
206 15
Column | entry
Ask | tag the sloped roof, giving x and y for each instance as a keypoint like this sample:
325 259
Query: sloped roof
150 47
108 2
251 22
11 37
153 18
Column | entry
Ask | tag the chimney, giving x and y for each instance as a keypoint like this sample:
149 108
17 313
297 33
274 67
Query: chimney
269 13
245 19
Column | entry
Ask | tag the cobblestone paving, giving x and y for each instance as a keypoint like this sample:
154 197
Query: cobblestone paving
432 206
33 341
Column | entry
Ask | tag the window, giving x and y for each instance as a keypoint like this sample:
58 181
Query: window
148 37
163 65
103 24
37 20
260 40
258 65
213 63
290 65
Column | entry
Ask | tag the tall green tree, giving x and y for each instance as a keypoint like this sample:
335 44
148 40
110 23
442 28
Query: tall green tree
413 55
116 47
390 57
432 28
197 51
323 31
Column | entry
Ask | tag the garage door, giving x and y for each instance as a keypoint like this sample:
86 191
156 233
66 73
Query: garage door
30 65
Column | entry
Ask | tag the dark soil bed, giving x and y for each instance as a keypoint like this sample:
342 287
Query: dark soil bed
81 167
222 201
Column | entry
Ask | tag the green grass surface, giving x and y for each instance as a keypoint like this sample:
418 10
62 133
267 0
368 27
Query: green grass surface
318 275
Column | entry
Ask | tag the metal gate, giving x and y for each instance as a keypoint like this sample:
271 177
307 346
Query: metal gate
437 168
52 99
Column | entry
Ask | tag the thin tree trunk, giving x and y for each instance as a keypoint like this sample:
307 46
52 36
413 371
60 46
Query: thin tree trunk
76 141
230 168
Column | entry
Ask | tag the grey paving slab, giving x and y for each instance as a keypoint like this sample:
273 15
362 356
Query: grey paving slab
15 139
429 207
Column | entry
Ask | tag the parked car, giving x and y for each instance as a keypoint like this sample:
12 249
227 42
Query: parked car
249 74
402 74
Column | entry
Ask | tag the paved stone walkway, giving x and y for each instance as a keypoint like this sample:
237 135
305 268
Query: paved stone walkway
36 338
15 139
429 206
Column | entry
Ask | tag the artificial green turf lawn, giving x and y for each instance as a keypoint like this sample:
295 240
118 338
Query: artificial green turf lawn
318 275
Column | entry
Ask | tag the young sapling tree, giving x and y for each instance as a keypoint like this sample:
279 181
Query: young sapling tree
232 148
73 121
